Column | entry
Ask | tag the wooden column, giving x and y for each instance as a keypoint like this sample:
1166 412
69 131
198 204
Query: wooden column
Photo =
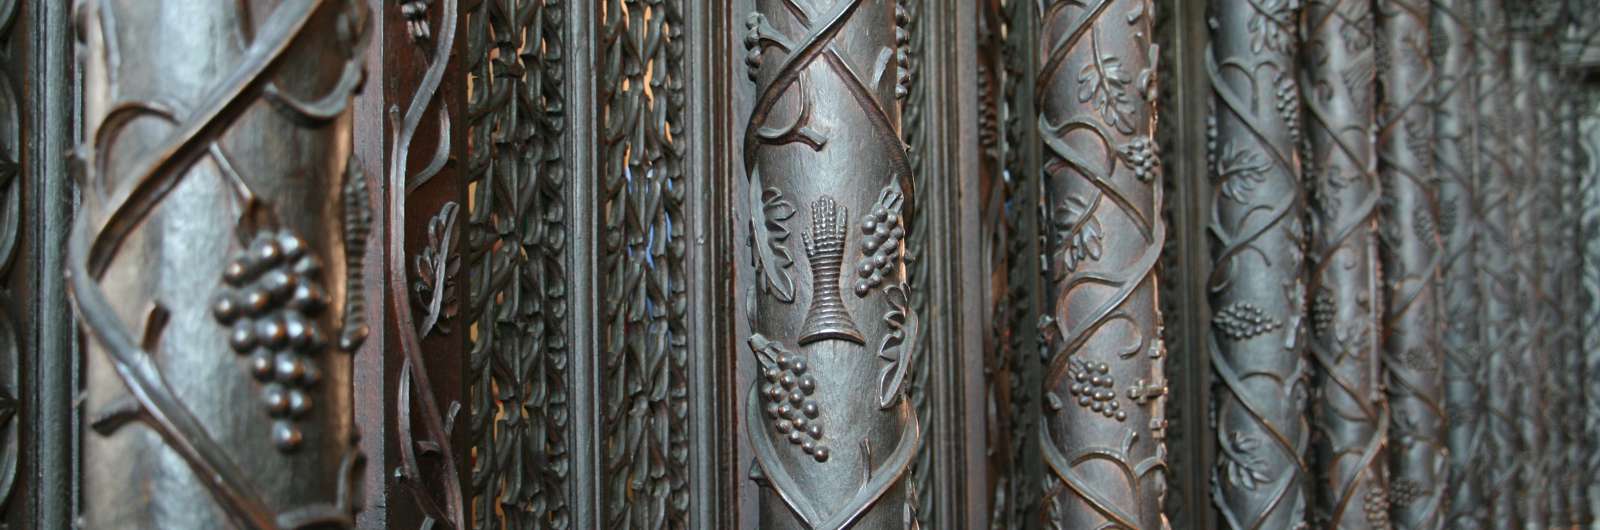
1258 299
1351 415
209 263
1412 250
832 328
1457 164
1102 436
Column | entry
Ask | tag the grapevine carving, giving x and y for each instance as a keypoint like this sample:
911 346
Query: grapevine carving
805 145
204 145
1351 415
1102 436
1412 253
1258 241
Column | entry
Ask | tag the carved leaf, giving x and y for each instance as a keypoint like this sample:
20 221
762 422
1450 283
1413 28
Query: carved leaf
770 212
898 345
436 268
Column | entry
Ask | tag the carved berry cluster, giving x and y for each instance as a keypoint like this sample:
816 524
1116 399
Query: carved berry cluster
1095 389
792 412
1243 320
882 231
1323 311
1376 506
1142 155
1405 492
272 297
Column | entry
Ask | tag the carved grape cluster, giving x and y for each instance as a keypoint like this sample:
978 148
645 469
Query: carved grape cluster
789 407
1405 492
1288 105
1323 311
1143 156
1095 389
1376 506
752 43
882 232
272 299
1243 320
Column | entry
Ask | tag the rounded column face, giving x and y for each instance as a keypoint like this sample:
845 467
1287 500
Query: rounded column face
1350 415
208 263
1257 294
1412 250
1102 437
832 330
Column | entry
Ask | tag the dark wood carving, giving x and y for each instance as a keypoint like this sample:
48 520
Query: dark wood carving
1456 163
1494 261
1008 218
1412 251
832 329
1350 414
1102 437
517 246
1524 400
1258 242
1181 33
208 262
13 332
1589 241
643 299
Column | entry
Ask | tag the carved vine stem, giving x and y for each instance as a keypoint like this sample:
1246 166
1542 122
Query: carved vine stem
1456 163
517 251
1412 252
644 383
1350 414
1527 504
1102 438
414 380
832 433
1258 243
1498 278
166 145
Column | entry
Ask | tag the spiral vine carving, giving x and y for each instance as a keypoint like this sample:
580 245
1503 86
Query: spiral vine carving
1258 244
1456 164
1102 436
1351 415
1412 252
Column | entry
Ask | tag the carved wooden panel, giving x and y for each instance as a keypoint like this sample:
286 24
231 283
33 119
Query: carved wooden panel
1258 296
1350 415
208 262
517 247
640 189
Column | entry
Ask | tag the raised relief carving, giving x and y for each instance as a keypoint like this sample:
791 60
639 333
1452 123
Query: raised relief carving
181 187
1102 434
802 146
516 245
1257 240
827 319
